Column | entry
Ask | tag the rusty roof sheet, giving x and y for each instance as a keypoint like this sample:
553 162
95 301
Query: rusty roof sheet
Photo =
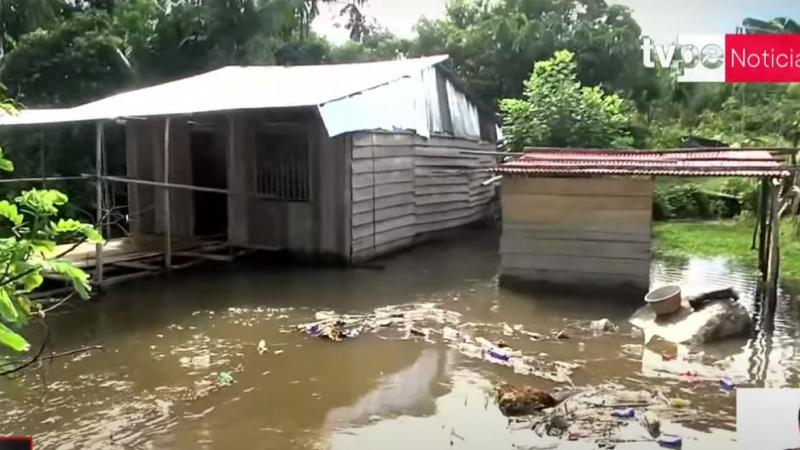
705 163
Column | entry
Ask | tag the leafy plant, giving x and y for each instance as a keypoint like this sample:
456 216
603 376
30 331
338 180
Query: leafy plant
557 111
30 230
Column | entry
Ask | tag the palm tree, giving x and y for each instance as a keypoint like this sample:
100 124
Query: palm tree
778 25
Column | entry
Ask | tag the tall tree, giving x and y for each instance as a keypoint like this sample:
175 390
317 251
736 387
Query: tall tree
494 44
558 111
18 17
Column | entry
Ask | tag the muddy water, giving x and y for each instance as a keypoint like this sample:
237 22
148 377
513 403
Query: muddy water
156 383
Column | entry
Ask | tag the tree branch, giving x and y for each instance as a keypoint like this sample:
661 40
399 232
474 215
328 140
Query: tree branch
35 357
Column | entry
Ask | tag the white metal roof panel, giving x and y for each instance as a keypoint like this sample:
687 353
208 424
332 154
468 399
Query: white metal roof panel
235 88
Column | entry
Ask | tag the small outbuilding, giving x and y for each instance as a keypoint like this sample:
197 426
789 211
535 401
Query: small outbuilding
344 162
583 217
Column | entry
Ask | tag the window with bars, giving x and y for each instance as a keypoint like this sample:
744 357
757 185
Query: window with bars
283 165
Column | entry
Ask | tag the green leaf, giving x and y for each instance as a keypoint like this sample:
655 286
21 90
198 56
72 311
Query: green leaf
42 202
6 165
8 311
64 226
13 340
10 212
32 281
79 278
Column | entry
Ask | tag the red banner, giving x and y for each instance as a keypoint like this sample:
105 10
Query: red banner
762 58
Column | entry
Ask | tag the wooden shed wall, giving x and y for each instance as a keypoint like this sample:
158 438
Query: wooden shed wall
145 160
588 231
404 187
317 227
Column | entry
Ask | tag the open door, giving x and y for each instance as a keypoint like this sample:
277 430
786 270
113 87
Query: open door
209 170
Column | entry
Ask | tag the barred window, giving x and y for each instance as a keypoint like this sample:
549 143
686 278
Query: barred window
283 165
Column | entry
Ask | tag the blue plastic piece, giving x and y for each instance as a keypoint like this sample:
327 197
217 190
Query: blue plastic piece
626 413
670 441
727 385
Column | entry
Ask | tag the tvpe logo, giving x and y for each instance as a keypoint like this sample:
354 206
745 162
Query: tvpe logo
695 58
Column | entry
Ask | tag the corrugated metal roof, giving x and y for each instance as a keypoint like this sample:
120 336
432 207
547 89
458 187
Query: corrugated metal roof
749 163
237 88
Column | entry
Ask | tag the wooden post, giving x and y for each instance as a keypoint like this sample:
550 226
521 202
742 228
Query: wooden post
774 240
167 208
98 250
763 214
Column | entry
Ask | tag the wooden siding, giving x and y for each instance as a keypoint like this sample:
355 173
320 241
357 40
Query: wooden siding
404 186
577 230
314 228
145 160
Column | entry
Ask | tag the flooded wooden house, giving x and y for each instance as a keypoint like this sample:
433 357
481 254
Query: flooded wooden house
584 217
346 162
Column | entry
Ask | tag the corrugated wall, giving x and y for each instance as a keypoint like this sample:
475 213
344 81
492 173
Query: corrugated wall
581 231
404 186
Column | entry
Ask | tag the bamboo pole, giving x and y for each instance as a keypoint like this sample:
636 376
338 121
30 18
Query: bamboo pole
98 256
167 207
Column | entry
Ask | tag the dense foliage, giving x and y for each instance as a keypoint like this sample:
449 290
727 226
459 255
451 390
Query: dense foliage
557 111
30 229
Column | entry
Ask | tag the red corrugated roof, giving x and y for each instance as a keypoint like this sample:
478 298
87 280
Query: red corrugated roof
568 162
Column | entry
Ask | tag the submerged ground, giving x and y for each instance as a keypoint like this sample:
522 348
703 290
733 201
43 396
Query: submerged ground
167 340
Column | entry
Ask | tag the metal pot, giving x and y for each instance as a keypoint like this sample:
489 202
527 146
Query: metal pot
665 300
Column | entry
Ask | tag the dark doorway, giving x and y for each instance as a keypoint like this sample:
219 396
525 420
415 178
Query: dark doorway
209 170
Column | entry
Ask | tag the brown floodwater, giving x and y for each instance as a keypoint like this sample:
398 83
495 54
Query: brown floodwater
155 384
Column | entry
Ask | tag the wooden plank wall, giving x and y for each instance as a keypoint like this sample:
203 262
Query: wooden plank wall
316 228
592 231
404 187
145 160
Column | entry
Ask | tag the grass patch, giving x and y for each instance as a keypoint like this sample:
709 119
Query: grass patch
728 238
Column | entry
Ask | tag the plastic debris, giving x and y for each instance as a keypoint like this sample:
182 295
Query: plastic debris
652 423
602 325
499 353
451 334
689 377
262 347
670 441
678 402
625 413
418 332
727 385
562 335
225 379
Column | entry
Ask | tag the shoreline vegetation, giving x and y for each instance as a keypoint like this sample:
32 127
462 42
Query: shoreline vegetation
730 238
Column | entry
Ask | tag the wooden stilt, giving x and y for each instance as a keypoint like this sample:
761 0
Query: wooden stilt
167 208
763 207
98 271
774 240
